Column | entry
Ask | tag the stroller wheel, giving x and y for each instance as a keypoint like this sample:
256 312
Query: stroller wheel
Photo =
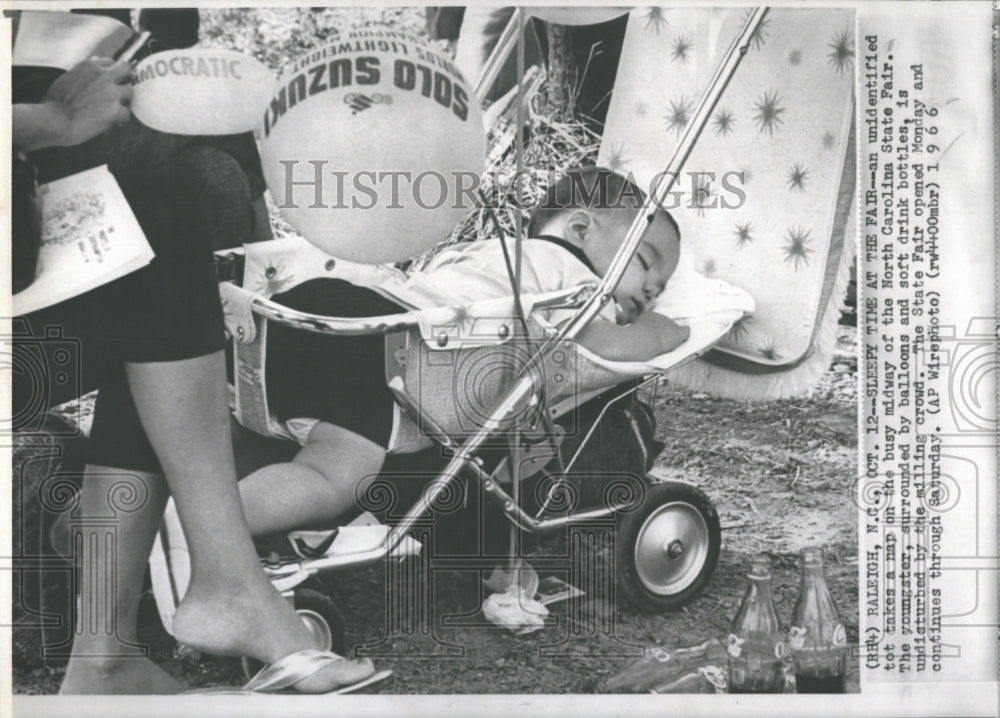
323 619
667 549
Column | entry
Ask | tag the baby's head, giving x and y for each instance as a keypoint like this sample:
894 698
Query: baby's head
593 208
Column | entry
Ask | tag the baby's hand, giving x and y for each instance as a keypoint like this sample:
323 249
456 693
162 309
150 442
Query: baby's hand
668 333
650 335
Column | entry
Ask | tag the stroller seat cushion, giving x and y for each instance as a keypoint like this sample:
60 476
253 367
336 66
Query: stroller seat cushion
466 351
709 307
457 392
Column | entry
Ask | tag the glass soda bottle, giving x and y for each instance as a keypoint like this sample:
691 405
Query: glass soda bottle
704 679
756 645
661 666
816 639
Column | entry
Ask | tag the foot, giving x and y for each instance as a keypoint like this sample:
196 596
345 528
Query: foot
117 676
259 624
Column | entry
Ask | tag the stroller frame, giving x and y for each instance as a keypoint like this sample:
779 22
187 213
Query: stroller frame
589 300
667 545
464 457
669 531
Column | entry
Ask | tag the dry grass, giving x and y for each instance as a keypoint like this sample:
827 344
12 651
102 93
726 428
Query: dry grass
551 146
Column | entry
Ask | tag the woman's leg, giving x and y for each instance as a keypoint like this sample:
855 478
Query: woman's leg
317 486
230 607
110 534
115 523
165 321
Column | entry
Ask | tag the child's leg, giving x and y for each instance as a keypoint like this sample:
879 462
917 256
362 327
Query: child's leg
319 484
230 607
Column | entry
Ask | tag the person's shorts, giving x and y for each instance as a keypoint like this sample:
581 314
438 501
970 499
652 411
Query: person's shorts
335 379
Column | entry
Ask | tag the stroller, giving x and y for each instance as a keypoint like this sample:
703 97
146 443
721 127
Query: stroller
517 419
522 403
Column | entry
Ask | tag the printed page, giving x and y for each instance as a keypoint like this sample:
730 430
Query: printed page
60 39
89 237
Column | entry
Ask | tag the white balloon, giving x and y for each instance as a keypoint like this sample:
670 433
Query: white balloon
368 142
201 92
585 15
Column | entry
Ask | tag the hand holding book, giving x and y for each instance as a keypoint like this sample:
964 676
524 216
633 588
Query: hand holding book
91 97
81 104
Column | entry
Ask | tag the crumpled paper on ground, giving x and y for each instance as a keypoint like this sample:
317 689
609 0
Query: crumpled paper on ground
512 605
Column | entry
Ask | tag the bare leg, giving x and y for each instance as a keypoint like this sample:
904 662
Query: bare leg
230 607
318 485
116 521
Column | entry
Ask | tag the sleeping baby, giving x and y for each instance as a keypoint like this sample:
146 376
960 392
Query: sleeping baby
346 421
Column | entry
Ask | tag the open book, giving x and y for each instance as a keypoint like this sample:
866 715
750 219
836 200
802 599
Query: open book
62 39
89 237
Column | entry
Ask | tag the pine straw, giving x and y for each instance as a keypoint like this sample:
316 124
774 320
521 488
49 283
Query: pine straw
551 147
278 36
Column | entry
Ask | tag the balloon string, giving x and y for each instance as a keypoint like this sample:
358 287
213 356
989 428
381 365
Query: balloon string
518 236
519 145
518 309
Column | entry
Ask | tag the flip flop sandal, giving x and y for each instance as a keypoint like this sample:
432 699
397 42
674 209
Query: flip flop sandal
292 669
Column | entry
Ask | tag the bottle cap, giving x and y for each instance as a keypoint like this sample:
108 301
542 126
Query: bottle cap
760 567
812 556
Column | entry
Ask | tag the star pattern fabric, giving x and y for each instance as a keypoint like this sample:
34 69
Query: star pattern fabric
778 136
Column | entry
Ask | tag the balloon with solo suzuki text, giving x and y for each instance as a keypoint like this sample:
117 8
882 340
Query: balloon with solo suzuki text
372 146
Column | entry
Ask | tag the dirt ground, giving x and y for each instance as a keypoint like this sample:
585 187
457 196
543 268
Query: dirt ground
780 475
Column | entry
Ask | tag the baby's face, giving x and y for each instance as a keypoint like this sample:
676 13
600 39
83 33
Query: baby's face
646 275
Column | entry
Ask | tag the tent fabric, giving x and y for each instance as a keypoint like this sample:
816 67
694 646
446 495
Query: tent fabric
776 214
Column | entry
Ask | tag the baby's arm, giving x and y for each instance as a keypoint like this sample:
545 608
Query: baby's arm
650 335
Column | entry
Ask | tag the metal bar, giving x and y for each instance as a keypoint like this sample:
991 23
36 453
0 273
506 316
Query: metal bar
518 238
525 522
523 387
570 297
313 566
604 410
551 493
498 116
413 410
655 199
519 149
520 518
501 51
332 325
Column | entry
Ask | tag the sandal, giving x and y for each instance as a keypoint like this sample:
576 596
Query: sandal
294 668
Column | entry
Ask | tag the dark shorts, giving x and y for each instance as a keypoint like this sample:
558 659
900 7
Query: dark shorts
195 199
336 379
190 195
